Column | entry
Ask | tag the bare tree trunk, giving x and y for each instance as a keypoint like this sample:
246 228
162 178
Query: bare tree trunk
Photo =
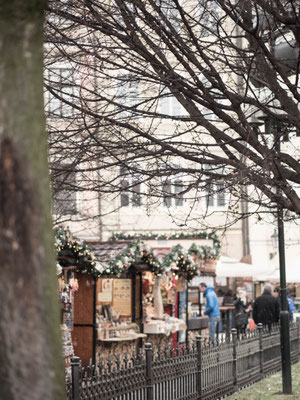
30 345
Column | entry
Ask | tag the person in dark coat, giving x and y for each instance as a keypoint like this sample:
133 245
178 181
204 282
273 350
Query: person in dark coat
266 308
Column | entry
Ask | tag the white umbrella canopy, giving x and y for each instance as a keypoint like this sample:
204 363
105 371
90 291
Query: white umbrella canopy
228 267
292 275
231 267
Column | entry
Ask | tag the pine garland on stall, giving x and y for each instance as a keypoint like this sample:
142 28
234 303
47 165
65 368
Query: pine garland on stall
201 251
71 251
205 252
181 263
137 252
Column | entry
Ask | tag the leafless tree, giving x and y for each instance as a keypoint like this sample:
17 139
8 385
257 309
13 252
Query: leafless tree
167 90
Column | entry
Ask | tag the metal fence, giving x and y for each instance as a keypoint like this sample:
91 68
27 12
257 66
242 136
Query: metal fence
200 371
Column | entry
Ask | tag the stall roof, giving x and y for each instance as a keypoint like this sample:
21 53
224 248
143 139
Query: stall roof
106 251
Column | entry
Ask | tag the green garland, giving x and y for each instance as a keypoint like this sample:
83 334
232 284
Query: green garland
137 252
70 251
203 252
181 263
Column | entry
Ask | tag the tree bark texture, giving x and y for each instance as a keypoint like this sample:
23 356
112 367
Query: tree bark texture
30 346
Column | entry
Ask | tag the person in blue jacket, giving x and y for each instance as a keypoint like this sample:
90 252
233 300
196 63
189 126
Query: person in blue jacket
291 304
211 309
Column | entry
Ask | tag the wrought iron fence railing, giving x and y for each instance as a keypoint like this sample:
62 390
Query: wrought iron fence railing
200 371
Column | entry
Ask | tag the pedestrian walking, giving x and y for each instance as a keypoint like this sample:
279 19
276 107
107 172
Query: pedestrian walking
242 310
211 309
266 308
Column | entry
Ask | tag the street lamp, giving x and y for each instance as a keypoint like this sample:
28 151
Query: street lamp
287 53
274 127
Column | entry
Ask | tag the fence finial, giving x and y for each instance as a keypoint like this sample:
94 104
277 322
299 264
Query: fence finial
75 365
199 365
234 358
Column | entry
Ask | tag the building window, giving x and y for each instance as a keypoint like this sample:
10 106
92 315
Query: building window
61 82
64 191
169 105
172 193
130 189
209 15
215 196
127 93
60 6
170 11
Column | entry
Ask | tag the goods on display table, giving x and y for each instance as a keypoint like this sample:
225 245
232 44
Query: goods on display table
111 328
68 350
67 285
114 311
159 294
154 299
165 326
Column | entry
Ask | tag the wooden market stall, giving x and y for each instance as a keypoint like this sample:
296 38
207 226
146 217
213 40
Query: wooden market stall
126 303
129 293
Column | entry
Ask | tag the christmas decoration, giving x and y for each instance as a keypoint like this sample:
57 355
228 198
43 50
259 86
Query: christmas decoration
72 252
164 236
135 253
204 252
181 263
201 251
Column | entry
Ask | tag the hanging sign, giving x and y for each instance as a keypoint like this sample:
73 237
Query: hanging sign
105 291
122 296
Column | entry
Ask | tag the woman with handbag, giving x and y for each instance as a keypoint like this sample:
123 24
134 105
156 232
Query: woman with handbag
242 310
